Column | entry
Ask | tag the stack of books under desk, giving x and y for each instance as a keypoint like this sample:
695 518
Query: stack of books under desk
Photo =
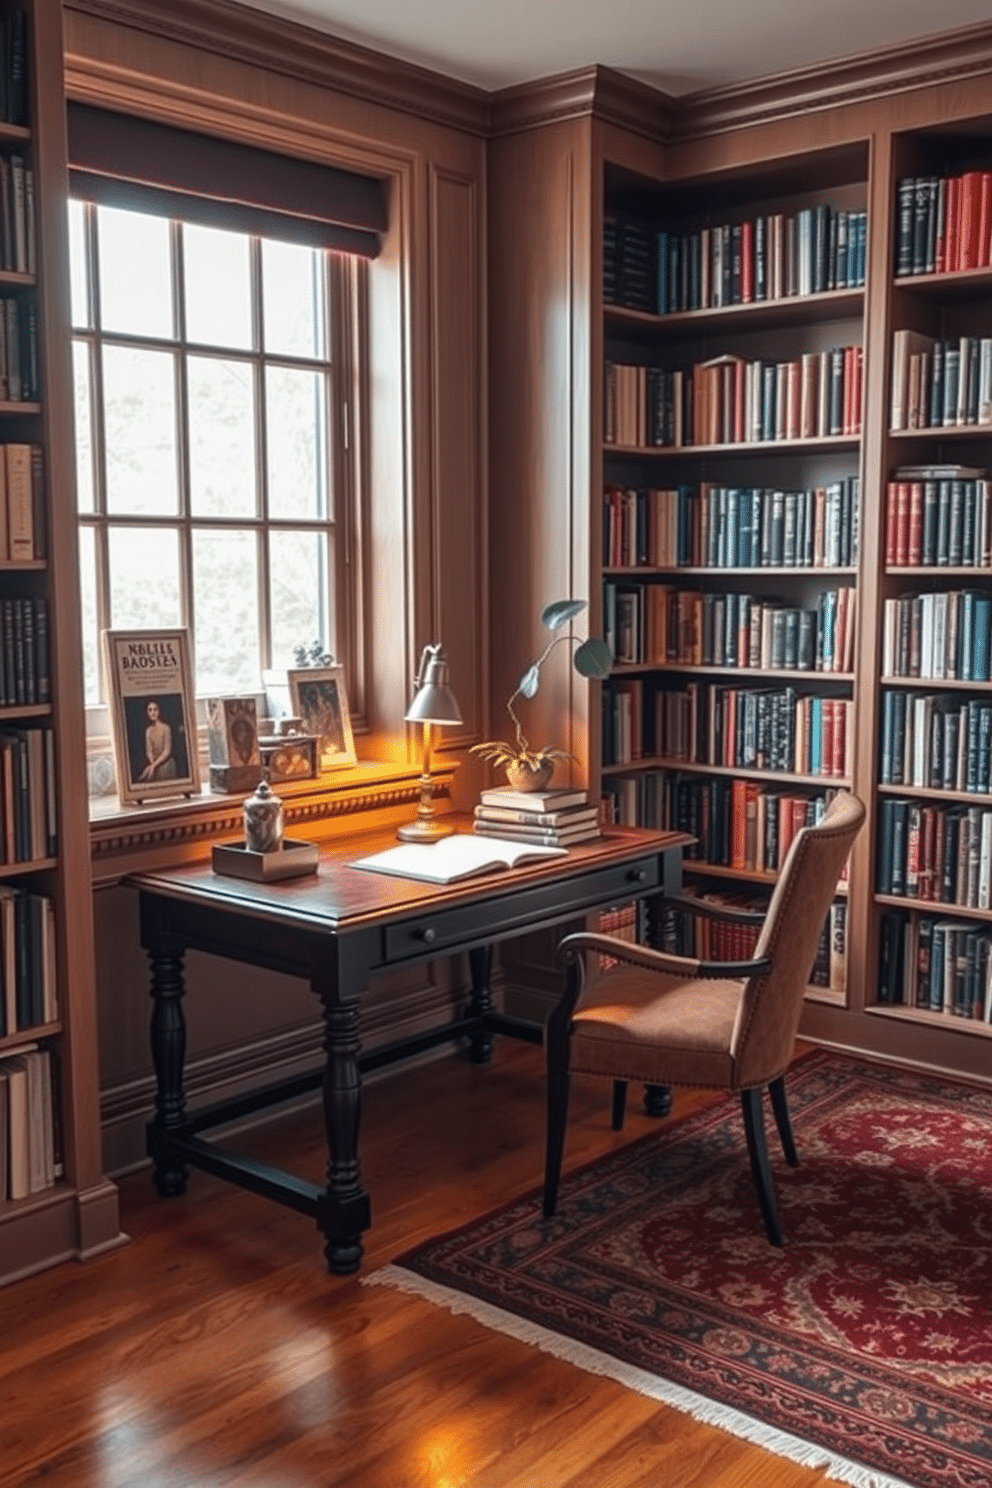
551 818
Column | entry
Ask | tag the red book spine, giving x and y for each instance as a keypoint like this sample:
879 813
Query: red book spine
747 262
984 220
859 377
738 836
891 522
914 544
902 524
953 224
968 235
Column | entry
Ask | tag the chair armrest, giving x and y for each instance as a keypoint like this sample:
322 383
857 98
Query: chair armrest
715 911
663 961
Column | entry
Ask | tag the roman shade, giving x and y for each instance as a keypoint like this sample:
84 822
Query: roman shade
121 161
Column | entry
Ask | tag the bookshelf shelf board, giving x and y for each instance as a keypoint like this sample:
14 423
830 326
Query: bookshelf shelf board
831 304
30 565
33 865
935 684
905 1011
55 1194
28 1036
684 767
644 570
15 278
8 408
941 433
962 284
25 710
743 447
835 996
935 792
14 132
932 571
763 877
689 668
932 906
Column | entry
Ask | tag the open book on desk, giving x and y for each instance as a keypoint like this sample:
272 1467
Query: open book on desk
453 858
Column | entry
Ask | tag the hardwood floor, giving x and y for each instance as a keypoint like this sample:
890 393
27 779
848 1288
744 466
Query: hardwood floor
215 1350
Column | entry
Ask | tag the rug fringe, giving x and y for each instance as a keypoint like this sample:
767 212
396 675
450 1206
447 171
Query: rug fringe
594 1361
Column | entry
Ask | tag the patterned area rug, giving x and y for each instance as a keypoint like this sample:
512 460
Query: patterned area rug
863 1346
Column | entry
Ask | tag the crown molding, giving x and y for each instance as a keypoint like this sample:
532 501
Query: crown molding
611 96
243 34
949 56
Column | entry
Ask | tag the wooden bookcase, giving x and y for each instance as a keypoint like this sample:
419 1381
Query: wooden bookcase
76 1214
844 136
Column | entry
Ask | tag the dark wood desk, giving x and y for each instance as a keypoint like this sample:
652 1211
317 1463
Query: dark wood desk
337 929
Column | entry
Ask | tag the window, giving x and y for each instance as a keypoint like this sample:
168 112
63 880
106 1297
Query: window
215 375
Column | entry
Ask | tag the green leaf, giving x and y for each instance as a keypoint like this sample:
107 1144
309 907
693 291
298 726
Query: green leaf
560 611
529 682
593 659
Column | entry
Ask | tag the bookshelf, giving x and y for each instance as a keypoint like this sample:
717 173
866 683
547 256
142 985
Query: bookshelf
733 331
56 1204
575 440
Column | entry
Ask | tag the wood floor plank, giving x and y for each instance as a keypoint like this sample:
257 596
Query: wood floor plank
214 1351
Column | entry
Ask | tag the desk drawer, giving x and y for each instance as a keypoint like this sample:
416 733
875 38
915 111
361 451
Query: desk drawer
498 916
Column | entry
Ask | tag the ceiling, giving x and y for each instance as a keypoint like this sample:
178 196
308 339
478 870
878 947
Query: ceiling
678 46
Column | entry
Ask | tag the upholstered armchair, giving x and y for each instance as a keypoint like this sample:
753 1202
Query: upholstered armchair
662 1019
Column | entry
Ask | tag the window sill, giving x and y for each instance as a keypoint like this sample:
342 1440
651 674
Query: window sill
129 839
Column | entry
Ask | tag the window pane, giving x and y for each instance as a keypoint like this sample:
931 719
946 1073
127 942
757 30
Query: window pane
144 578
140 422
91 639
78 264
83 426
295 305
221 438
135 273
298 593
297 443
217 277
225 604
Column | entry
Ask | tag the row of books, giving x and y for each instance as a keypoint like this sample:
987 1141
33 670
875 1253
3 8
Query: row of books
941 965
938 853
24 669
945 634
18 249
28 798
22 503
553 818
13 67
28 983
30 1159
655 624
19 370
622 921
717 526
935 741
940 384
739 728
721 940
731 400
768 257
938 517
943 223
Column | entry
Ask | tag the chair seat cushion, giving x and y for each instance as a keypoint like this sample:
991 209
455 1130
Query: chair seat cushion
663 1030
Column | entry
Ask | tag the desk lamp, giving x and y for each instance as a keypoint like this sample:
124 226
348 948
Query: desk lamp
433 704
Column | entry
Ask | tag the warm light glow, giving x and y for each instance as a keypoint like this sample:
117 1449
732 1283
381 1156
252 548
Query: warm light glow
444 1458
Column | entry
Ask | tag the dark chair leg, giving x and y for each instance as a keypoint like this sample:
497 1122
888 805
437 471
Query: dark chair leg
557 1037
619 1103
657 1100
781 1108
754 1130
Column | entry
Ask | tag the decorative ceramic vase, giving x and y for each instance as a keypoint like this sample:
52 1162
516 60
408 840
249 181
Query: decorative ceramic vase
525 777
263 820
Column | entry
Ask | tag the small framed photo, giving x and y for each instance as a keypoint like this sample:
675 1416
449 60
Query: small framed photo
149 682
232 736
317 697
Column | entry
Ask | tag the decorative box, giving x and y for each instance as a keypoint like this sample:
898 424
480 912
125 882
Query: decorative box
291 860
289 757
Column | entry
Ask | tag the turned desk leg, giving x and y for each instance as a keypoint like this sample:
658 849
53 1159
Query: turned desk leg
345 1211
480 1046
168 1041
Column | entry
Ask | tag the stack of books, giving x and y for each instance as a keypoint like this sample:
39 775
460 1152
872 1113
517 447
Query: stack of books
552 818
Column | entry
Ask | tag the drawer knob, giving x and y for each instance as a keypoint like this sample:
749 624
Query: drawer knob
427 935
637 875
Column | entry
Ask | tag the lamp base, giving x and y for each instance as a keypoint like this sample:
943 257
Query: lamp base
425 829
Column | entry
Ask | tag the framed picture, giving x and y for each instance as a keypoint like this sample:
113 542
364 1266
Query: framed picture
317 697
150 691
232 735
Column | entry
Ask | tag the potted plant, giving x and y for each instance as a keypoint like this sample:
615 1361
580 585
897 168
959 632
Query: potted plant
530 769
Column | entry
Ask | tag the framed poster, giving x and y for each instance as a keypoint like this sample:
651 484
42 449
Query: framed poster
149 682
318 698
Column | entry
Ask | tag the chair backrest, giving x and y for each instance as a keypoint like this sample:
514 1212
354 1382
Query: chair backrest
772 1004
